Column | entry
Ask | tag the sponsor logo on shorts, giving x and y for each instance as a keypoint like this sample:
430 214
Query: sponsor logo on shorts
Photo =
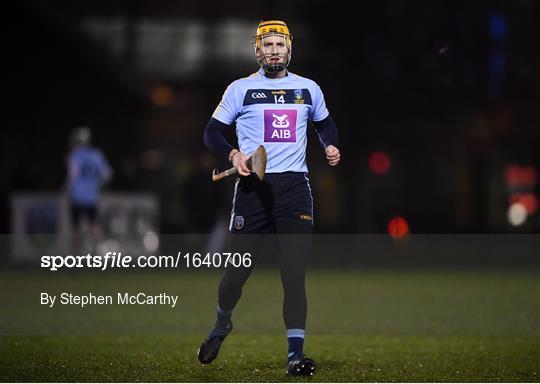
239 222
306 217
280 125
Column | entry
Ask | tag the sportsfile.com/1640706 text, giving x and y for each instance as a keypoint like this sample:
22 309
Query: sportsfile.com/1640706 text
118 260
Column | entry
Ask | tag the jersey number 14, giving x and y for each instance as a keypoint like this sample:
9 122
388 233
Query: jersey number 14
280 99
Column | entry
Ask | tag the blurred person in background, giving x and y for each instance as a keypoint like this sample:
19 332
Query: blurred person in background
271 107
87 171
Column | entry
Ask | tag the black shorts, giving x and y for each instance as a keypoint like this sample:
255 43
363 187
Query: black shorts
78 212
257 205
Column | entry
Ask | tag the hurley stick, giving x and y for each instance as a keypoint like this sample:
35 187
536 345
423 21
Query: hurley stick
256 164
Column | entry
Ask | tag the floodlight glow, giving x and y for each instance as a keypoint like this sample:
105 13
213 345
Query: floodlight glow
517 214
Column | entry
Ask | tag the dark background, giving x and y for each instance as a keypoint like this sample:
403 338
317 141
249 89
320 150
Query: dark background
449 90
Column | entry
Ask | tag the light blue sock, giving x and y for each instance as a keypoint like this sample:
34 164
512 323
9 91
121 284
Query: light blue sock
295 339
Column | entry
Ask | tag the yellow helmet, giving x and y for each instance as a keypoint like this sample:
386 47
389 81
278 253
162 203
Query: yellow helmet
279 29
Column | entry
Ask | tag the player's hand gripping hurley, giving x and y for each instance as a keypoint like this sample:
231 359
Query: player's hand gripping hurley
256 164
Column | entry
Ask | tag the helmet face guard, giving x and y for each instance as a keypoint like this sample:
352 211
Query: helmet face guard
273 46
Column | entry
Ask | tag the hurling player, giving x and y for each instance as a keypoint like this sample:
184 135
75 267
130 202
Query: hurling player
271 107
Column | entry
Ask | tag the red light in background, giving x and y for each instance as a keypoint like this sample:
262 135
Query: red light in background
398 228
528 200
518 176
379 162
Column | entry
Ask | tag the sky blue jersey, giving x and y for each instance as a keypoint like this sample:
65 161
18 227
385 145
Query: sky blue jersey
88 169
274 113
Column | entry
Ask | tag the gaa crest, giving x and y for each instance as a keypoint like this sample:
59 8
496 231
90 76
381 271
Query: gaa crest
238 222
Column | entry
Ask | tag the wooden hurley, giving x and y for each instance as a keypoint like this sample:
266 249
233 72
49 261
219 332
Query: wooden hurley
256 164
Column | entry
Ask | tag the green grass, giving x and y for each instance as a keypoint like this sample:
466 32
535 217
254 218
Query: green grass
369 326
260 358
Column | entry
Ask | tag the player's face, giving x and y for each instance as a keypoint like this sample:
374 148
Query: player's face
273 49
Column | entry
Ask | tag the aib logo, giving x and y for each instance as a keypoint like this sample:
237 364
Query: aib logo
280 121
280 125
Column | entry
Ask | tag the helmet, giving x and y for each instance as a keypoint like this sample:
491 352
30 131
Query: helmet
277 35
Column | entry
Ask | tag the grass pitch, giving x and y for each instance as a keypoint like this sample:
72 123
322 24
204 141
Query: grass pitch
261 358
370 326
